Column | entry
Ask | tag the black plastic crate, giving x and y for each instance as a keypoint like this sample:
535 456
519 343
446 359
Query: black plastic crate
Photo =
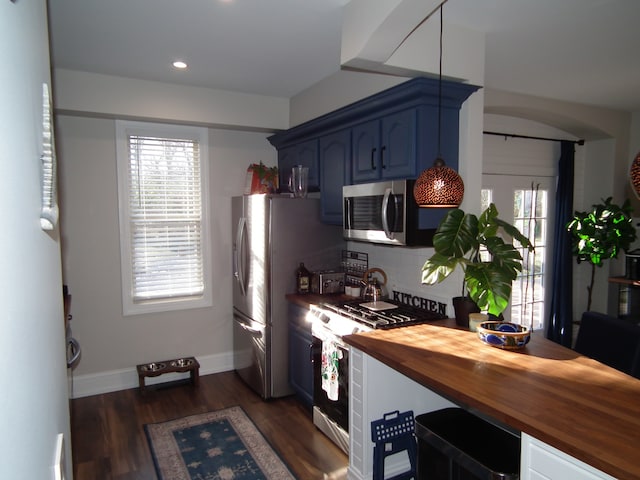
454 444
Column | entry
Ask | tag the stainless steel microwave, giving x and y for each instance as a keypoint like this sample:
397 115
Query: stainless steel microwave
385 212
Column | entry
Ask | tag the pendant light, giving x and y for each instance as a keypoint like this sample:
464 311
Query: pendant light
439 186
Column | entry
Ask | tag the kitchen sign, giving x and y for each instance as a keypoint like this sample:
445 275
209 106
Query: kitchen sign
420 302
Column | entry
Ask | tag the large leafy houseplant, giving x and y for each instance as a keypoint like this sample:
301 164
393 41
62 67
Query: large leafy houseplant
600 234
459 241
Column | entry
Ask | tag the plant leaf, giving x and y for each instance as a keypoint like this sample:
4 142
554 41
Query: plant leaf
489 287
457 234
487 225
514 233
505 256
437 268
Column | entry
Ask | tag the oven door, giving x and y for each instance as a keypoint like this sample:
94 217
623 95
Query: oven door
331 387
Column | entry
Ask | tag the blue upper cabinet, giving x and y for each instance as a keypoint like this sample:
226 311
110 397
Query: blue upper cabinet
335 165
385 148
366 151
305 154
390 135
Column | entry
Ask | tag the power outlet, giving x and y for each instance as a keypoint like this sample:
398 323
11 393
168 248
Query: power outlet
59 470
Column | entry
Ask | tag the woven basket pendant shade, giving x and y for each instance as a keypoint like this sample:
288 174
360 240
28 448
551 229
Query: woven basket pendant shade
439 187
634 175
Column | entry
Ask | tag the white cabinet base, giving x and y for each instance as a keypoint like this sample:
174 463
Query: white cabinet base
540 461
376 389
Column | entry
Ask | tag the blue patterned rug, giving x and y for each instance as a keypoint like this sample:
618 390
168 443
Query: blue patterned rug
221 445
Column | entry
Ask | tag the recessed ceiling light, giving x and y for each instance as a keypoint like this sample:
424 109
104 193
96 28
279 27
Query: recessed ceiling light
180 65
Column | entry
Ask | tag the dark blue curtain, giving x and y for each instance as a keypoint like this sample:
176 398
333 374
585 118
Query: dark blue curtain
560 324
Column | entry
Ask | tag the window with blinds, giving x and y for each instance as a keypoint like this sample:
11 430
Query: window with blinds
163 221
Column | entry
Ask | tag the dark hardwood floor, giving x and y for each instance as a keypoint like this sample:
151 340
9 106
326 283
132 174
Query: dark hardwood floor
109 442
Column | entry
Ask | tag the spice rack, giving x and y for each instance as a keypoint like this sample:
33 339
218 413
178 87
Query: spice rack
354 264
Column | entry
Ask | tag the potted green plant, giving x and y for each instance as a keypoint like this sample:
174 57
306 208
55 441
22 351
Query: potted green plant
600 234
460 240
265 178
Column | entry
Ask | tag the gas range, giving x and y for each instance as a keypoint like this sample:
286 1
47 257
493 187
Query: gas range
329 323
359 316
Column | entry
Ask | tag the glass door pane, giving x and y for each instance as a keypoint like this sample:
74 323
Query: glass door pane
527 207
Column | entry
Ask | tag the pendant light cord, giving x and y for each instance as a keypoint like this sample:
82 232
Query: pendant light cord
440 88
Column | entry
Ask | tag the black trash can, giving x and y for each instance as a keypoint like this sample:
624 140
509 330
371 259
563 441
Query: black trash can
454 444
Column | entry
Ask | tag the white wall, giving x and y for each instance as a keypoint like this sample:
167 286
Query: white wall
91 94
34 405
113 344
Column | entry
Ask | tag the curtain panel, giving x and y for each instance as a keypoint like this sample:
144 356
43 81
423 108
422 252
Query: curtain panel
560 324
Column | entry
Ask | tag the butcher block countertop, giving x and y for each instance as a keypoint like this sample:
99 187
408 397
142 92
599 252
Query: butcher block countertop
575 404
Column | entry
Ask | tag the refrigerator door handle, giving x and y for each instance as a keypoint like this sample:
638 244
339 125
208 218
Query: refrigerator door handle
253 331
238 256
73 347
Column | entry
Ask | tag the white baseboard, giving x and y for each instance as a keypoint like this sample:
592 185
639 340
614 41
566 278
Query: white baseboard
115 380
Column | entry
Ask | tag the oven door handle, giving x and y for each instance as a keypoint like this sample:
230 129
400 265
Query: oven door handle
326 336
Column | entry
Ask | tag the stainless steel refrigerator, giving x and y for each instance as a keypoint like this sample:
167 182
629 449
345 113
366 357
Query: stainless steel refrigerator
271 236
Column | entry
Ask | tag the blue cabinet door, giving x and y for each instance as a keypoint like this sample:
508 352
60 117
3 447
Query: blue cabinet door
300 360
334 173
366 153
385 148
305 154
399 145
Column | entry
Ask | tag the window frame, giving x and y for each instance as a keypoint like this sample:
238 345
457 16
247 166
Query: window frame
124 128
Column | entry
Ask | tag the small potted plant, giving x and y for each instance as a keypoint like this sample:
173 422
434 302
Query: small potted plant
460 240
600 234
264 179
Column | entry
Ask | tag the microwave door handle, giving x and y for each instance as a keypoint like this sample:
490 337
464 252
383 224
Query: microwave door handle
385 220
238 256
347 213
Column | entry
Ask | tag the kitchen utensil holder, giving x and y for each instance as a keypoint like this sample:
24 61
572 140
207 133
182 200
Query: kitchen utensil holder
394 433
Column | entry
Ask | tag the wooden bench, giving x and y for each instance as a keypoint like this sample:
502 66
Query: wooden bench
180 365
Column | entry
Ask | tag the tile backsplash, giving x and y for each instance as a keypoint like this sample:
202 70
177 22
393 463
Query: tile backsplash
403 267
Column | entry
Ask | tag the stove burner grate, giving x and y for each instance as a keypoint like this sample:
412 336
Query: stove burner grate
402 315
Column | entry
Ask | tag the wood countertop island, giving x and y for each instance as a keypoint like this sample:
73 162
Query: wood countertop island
575 404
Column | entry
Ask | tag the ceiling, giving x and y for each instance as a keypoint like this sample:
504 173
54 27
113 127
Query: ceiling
584 51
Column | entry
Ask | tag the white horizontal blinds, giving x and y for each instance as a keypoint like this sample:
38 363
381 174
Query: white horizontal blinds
165 214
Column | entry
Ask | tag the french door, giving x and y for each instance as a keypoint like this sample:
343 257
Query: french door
527 203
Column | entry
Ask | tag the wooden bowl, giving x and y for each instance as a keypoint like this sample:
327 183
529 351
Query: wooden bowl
505 335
